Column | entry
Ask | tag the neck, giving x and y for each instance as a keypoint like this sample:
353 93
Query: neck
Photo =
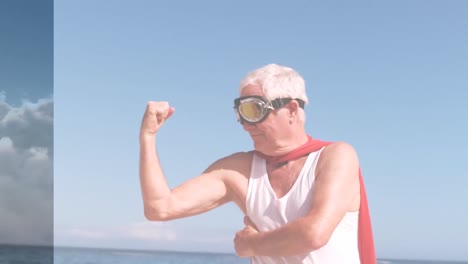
309 146
289 145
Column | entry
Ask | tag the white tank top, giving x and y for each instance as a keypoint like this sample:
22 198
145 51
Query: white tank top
269 213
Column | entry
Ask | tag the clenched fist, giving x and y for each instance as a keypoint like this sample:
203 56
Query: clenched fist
243 243
155 115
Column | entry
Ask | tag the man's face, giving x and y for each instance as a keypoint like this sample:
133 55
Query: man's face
265 134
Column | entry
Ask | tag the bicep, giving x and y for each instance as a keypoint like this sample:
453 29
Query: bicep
336 186
202 193
199 194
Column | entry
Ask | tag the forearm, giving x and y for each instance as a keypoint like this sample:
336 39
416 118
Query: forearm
297 237
153 184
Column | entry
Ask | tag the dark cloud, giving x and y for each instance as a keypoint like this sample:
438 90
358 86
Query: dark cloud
4 107
26 172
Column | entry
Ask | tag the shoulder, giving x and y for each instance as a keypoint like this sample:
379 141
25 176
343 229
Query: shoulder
338 154
240 156
339 148
237 158
239 161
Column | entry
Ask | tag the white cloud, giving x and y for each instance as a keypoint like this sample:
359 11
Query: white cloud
146 235
26 172
86 234
150 231
143 231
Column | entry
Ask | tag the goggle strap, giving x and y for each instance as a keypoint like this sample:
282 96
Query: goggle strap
280 102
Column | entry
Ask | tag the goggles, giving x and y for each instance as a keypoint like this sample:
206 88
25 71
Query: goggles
254 109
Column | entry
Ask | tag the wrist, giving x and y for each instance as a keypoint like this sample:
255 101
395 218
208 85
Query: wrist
254 244
147 137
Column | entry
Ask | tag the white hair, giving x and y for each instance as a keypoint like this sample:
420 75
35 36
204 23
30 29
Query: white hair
276 81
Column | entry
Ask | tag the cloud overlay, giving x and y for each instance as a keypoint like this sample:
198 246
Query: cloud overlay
26 172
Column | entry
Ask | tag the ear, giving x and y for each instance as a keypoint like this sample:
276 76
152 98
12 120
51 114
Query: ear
293 108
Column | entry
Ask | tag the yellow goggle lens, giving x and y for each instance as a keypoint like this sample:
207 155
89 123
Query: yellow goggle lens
251 110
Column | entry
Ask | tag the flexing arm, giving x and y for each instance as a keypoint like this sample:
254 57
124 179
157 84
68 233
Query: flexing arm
192 197
336 191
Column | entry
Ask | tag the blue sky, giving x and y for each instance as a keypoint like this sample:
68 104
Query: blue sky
389 77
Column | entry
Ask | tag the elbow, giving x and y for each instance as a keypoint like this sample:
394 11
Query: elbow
155 213
154 216
315 239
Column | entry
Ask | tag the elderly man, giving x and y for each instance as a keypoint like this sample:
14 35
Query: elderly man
303 199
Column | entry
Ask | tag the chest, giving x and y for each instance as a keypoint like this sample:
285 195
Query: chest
283 178
279 195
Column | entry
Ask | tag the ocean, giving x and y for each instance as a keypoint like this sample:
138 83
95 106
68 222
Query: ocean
64 255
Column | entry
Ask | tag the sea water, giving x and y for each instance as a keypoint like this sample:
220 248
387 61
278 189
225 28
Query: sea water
65 255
